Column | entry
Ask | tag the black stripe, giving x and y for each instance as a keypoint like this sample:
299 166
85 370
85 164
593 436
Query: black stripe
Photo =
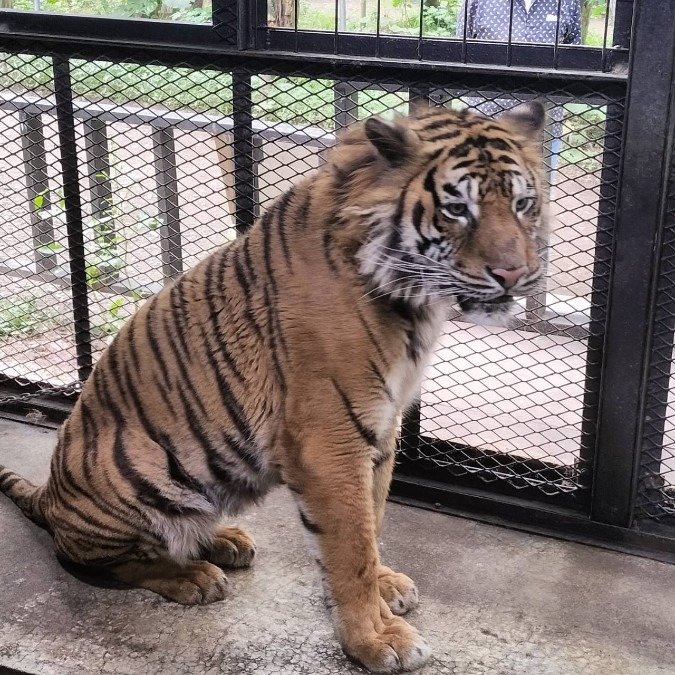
218 465
77 489
228 398
417 213
185 374
243 451
435 154
451 190
131 343
371 336
147 492
282 208
367 434
438 124
308 524
266 223
430 185
328 243
101 389
178 308
380 378
90 449
445 136
9 482
248 311
304 210
154 344
214 313
272 339
116 372
247 259
176 471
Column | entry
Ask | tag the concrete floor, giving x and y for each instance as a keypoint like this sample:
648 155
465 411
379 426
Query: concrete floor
494 601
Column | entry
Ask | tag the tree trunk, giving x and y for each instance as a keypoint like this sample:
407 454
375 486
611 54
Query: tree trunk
585 18
283 11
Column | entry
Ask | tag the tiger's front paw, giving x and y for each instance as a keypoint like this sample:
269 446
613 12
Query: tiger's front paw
398 647
397 590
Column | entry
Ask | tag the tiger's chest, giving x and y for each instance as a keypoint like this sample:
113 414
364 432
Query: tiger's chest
406 372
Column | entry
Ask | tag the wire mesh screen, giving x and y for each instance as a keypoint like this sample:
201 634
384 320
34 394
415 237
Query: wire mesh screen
170 161
656 487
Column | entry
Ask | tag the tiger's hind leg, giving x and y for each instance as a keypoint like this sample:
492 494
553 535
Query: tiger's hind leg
231 547
143 565
195 582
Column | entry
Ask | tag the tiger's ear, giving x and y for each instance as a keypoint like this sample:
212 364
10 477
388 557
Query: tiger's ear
528 119
393 141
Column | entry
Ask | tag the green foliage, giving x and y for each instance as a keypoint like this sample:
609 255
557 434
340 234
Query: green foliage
176 10
583 133
21 314
106 236
441 20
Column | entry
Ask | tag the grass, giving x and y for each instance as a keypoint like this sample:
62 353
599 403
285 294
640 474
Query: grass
21 314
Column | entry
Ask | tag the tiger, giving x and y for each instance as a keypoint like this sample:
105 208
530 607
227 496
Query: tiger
288 357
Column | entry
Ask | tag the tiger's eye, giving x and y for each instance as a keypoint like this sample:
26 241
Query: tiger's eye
523 204
456 210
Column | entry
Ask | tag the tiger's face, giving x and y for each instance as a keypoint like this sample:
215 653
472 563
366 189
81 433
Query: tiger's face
469 220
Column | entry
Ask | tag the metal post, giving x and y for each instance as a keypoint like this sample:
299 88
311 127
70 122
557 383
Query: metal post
346 102
648 134
73 210
167 202
604 239
37 186
245 164
651 481
98 163
100 189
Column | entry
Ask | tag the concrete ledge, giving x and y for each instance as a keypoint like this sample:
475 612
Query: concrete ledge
494 602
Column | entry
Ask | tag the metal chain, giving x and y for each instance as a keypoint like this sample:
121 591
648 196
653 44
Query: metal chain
20 398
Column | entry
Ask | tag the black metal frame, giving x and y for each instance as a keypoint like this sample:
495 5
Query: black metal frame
630 225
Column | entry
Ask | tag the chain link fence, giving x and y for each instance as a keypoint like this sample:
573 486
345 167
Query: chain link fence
168 162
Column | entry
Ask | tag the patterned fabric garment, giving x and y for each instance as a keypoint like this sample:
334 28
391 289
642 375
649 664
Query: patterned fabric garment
534 21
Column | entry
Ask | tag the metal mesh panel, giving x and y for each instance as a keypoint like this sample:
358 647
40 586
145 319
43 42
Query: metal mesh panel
656 487
171 161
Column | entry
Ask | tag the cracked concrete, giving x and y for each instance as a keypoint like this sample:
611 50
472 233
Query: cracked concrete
493 601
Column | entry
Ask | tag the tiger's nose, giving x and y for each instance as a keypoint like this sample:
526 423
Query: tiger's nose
507 278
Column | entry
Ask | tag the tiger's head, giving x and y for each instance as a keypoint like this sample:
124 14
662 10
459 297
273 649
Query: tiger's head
455 205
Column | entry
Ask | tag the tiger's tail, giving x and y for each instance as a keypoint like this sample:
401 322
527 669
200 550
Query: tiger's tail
25 495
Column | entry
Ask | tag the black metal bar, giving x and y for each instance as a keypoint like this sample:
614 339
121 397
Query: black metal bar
73 211
604 240
37 186
98 163
60 34
346 102
225 23
623 21
476 53
640 213
245 179
167 203
651 498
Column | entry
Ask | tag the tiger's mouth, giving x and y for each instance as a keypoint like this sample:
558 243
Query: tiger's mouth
496 312
498 304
